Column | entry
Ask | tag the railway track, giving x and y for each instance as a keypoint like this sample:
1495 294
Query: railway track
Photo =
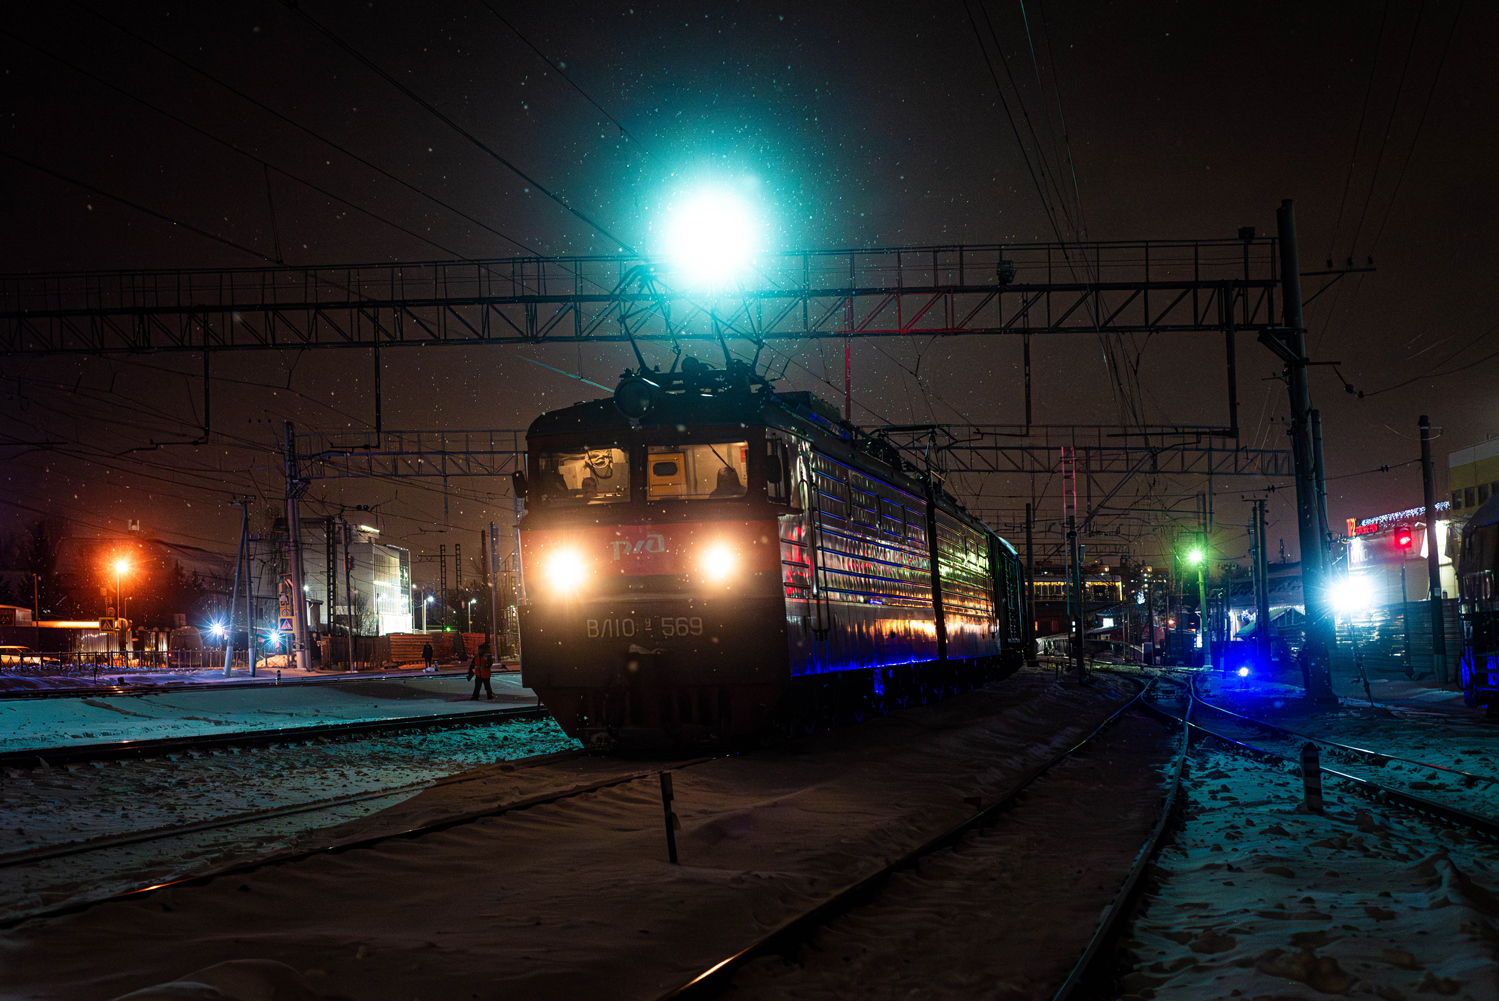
115 750
1376 791
797 931
303 852
31 856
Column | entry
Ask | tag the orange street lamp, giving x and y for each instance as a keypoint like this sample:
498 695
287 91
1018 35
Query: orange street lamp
121 567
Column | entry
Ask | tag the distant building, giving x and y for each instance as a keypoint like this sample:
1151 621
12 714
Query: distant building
377 573
1472 477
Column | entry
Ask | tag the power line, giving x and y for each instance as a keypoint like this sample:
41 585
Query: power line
1056 89
226 143
1389 125
1004 103
1359 132
1422 121
450 123
571 82
137 206
303 128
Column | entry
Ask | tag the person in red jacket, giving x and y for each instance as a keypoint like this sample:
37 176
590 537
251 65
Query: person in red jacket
480 668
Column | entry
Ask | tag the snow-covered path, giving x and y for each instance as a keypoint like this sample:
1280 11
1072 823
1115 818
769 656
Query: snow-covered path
39 723
1006 913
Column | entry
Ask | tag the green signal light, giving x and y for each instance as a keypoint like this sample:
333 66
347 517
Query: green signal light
1195 556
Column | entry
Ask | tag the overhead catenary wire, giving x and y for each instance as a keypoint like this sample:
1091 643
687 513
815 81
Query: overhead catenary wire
1421 122
570 81
1358 132
345 151
236 148
1389 126
433 110
138 207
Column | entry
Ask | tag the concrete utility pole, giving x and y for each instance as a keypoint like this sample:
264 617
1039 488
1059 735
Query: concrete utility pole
1079 631
294 488
1321 484
1262 587
1433 557
489 542
1030 589
1289 343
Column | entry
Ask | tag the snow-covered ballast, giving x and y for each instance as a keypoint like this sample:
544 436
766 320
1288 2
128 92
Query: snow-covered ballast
705 558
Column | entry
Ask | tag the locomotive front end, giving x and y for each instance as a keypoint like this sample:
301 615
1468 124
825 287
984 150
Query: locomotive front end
652 610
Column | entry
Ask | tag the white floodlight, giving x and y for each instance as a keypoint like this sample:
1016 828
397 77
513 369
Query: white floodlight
1352 594
710 236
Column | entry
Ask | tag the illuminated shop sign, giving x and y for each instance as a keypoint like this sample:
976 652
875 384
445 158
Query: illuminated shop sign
1372 526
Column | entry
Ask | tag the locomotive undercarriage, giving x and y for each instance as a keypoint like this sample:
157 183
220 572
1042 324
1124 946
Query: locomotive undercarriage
642 716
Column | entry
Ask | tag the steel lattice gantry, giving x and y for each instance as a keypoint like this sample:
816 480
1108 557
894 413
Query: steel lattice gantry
1179 450
392 454
1024 289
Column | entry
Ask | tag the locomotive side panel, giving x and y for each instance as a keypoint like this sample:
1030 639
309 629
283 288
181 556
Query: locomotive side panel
967 589
855 571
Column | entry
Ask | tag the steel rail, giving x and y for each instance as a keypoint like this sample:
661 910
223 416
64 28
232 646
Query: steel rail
353 844
1085 971
1379 757
157 747
718 976
32 855
172 688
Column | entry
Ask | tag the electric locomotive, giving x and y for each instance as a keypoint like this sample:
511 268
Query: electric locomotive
1478 590
703 558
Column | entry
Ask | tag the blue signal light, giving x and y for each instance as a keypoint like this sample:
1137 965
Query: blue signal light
1243 672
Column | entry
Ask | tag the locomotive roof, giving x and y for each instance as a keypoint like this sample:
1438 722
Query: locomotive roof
798 412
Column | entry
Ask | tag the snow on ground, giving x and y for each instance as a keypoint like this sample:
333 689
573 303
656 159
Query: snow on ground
55 722
575 898
59 807
1461 739
1259 900
1004 914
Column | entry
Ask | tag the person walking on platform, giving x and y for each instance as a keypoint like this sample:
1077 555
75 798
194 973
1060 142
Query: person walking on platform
480 669
427 654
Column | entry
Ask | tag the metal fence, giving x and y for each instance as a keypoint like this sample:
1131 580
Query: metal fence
93 662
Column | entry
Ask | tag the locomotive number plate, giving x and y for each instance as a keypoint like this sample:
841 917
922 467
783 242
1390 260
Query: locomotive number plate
664 626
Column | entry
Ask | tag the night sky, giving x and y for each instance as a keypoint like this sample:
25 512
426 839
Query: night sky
848 124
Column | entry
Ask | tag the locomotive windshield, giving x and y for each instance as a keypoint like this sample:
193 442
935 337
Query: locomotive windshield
587 476
696 472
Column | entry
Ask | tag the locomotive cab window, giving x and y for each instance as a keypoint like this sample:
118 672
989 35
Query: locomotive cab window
586 476
697 472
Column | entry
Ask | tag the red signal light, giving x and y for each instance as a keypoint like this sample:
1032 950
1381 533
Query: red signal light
1404 539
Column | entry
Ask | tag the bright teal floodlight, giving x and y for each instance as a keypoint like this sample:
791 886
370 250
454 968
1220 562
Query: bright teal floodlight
711 235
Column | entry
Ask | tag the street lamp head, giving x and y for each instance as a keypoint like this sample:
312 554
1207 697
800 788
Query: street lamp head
429 600
122 566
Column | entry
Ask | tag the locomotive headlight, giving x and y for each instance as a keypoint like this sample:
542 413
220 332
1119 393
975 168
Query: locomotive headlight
719 563
565 571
